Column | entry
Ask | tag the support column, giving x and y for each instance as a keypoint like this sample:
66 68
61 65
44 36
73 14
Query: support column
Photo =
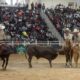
11 2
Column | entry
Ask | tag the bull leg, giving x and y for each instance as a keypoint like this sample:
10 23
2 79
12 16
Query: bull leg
3 62
6 63
50 63
29 60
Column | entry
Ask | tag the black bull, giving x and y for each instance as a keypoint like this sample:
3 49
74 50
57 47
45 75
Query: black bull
5 51
41 52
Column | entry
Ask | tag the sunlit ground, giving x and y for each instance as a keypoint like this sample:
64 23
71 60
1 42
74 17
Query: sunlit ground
18 69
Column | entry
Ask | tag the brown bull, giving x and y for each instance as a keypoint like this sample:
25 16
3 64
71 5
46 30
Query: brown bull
41 52
5 52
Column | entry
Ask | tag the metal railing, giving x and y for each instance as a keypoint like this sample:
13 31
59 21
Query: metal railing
43 43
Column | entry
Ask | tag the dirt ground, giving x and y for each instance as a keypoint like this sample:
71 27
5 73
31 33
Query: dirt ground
18 69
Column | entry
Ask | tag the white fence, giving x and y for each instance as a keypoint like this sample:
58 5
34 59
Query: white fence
44 43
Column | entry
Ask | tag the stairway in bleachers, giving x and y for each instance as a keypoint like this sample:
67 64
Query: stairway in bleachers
51 27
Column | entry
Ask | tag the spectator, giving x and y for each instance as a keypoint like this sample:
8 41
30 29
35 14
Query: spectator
2 33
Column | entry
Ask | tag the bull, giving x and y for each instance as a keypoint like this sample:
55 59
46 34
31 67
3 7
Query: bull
5 51
48 53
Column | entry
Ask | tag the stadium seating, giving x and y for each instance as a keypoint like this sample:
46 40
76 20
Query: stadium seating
24 24
64 17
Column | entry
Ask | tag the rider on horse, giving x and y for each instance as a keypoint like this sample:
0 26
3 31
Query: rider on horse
76 47
67 35
72 46
76 37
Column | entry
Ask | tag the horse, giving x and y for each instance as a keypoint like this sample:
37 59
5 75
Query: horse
38 51
71 52
5 51
68 52
76 54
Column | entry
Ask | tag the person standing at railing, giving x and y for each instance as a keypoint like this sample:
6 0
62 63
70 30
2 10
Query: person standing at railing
2 33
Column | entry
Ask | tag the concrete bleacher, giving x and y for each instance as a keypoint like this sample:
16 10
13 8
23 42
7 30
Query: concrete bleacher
51 27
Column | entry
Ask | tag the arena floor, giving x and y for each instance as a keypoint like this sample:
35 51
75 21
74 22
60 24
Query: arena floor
18 70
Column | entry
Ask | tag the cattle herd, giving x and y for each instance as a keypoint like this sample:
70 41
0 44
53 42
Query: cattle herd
38 51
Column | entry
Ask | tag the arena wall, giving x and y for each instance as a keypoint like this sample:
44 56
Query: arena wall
53 3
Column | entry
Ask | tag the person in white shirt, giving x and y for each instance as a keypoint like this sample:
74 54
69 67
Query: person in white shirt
68 35
2 33
76 37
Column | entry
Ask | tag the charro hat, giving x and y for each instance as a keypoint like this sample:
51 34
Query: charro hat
75 30
66 29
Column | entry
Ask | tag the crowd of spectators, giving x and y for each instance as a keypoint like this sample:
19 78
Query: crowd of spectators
26 24
64 17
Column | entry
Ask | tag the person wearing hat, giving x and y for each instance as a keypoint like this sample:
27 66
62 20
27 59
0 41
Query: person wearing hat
2 33
67 35
75 36
25 34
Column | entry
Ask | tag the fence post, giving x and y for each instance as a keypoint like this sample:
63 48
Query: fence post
36 42
12 43
47 43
